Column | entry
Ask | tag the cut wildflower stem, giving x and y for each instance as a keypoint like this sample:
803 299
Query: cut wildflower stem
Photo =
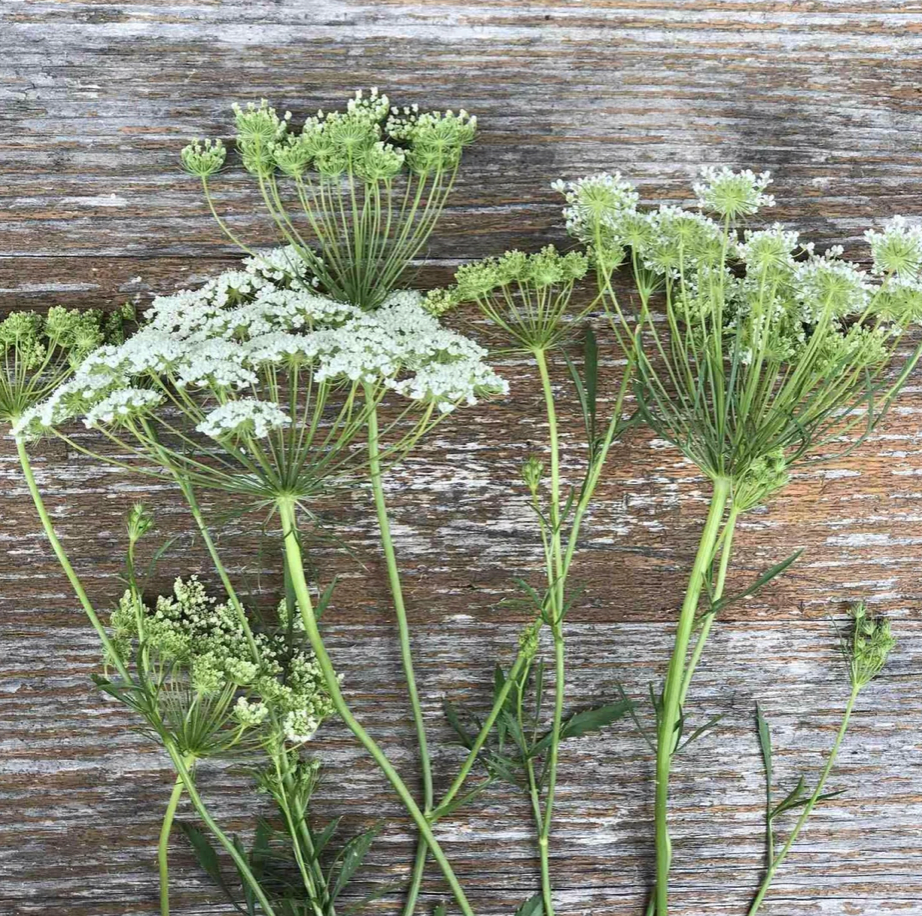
725 546
672 690
406 652
866 650
163 846
556 584
112 654
808 807
229 845
766 352
295 563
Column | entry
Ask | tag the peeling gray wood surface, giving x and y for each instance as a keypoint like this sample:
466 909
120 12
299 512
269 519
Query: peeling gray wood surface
95 100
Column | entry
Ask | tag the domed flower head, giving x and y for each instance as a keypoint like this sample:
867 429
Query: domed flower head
733 194
371 179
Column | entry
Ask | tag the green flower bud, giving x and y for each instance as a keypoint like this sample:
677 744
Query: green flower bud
140 521
293 156
533 474
203 157
761 480
869 646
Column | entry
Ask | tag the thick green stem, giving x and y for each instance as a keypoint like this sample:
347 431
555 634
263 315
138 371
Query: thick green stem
725 550
111 652
163 846
808 808
406 653
191 500
296 570
673 689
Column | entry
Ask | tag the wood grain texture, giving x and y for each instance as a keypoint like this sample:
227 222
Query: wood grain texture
95 100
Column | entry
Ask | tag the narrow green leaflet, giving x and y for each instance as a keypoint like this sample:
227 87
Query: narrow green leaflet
763 580
208 859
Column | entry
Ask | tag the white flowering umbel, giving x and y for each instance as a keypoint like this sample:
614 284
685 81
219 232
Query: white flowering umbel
192 651
766 344
251 383
371 182
767 353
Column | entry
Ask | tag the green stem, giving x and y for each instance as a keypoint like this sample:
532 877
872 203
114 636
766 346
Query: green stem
808 808
406 653
727 536
243 867
163 846
111 651
191 500
673 689
585 498
296 570
556 581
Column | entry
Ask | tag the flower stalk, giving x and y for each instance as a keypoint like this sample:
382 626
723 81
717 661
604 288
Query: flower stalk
672 691
295 565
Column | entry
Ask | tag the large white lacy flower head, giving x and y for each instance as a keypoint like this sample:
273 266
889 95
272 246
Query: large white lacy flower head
258 354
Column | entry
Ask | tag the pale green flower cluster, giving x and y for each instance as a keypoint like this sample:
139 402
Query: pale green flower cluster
206 638
527 296
869 645
370 139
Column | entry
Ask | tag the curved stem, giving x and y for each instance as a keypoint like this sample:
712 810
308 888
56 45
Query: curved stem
808 808
163 846
295 562
669 713
406 653
111 651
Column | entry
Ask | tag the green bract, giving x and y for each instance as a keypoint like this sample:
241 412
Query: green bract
868 646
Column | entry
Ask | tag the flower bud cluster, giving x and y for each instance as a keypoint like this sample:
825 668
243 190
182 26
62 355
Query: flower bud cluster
869 645
209 641
370 140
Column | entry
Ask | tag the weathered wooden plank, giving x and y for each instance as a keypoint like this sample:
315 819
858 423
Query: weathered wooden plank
97 97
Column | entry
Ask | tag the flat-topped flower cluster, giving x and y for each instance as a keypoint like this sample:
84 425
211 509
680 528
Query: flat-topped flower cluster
217 353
